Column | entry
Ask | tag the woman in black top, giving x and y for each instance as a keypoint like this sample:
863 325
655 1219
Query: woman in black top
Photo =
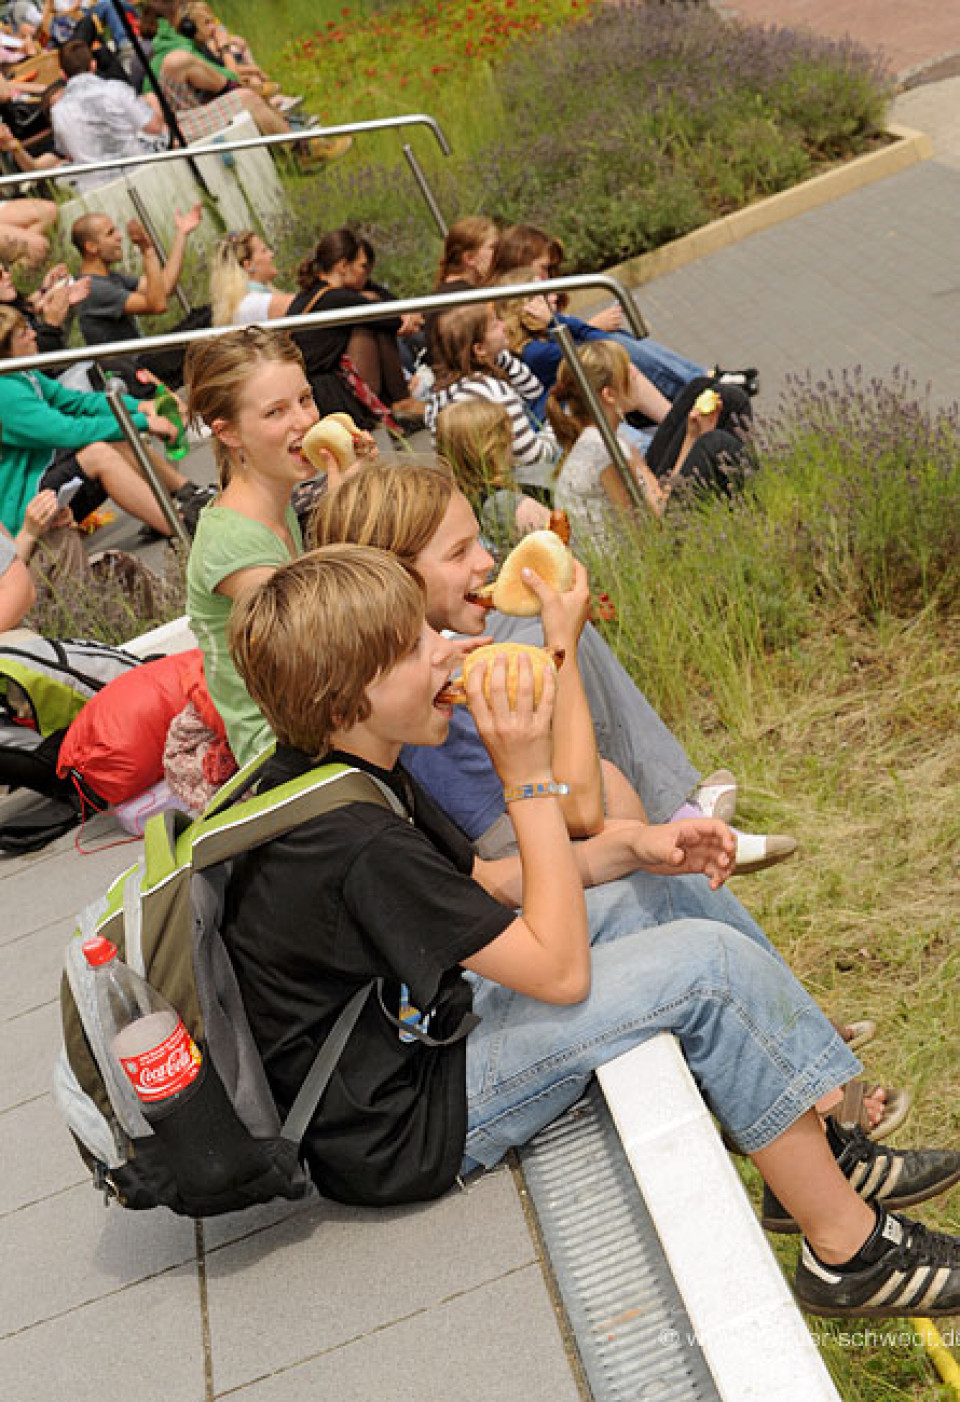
352 367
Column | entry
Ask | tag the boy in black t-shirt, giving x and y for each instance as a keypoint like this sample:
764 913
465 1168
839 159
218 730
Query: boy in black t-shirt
335 650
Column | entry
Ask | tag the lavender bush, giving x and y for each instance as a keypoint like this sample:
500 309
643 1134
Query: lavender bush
698 116
853 513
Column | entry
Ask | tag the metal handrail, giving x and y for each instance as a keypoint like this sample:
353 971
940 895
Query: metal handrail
218 148
377 311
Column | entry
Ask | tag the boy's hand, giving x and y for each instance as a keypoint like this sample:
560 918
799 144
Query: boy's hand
562 615
692 846
519 741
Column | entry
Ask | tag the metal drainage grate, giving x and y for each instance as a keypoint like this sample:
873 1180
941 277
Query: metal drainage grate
630 1325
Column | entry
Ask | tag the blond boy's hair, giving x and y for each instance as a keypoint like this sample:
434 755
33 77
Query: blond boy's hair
475 437
391 506
309 641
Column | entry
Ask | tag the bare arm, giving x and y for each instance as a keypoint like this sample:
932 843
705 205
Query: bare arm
279 304
575 756
150 295
17 591
545 952
184 225
242 581
613 485
692 846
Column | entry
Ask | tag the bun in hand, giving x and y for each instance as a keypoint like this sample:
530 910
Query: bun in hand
542 659
333 434
544 553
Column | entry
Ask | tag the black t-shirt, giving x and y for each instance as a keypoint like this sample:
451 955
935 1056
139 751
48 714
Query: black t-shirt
103 315
356 894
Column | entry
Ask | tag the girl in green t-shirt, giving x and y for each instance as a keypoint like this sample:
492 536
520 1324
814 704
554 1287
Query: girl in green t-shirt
250 389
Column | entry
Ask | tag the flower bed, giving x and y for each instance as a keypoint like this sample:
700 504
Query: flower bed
617 127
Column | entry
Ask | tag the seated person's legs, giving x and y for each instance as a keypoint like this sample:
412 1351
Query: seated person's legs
667 369
105 465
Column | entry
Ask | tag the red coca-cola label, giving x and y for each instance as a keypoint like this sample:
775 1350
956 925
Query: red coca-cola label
166 1069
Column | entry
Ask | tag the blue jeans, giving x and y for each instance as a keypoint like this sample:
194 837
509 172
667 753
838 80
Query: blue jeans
666 368
757 1045
105 12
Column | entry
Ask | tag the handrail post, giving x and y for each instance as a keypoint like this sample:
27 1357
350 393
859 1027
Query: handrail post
143 214
610 440
129 430
635 317
428 196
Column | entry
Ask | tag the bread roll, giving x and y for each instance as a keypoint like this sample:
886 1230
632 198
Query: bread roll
544 553
335 433
541 659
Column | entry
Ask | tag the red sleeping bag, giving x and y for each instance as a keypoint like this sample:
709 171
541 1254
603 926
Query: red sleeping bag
116 742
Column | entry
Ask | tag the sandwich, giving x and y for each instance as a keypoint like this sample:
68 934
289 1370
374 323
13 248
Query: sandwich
542 659
335 435
544 553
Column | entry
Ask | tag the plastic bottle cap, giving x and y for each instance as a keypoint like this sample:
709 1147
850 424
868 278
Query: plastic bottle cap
99 951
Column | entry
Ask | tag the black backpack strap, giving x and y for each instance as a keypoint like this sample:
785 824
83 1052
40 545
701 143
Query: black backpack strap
324 1064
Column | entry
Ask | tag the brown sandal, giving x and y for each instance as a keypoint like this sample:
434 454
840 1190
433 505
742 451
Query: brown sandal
850 1113
856 1034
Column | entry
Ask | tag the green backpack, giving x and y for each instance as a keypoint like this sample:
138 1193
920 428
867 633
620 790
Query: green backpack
223 1148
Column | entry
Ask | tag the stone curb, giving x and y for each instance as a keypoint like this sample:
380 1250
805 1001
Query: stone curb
908 148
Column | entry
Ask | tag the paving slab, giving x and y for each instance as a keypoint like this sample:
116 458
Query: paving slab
497 1343
40 888
354 1272
38 1156
79 1251
28 1047
143 1345
30 967
882 290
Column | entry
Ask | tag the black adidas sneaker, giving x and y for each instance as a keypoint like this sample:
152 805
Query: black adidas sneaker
892 1177
907 1270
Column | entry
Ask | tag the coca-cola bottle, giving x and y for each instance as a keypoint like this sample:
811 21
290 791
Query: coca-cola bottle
213 1162
146 1036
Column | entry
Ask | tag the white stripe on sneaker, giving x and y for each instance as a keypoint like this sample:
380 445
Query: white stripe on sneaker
817 1268
876 1181
936 1285
887 1289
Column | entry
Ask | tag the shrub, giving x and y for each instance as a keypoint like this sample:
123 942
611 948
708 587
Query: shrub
854 512
698 116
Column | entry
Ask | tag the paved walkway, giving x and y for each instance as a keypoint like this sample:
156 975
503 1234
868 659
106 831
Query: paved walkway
294 1304
871 280
912 35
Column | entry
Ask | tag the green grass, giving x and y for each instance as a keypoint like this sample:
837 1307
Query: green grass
809 639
